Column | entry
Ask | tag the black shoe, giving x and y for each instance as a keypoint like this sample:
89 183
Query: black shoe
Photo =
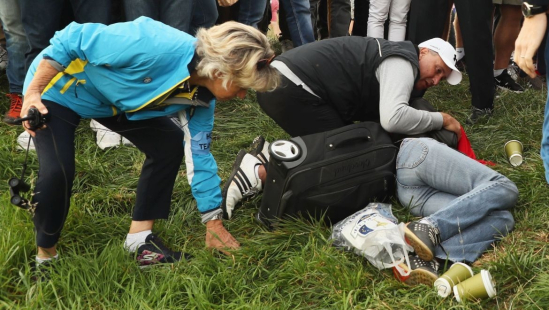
260 149
155 252
506 82
478 114
43 271
421 272
423 238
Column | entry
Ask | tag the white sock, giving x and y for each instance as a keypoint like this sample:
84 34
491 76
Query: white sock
134 241
460 53
498 72
42 260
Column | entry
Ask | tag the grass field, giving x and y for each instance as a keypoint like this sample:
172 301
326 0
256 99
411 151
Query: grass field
292 267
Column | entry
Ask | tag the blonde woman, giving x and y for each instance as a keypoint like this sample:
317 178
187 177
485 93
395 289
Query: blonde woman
128 77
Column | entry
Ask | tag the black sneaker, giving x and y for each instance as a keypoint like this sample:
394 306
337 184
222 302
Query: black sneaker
478 114
155 252
43 271
506 82
423 238
421 272
260 149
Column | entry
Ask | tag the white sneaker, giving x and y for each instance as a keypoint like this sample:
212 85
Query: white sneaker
260 149
105 137
23 141
242 183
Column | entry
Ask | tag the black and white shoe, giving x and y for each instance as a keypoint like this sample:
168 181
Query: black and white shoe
260 149
421 272
153 252
478 114
506 82
242 183
423 238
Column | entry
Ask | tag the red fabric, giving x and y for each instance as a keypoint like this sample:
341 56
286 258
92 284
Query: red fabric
464 146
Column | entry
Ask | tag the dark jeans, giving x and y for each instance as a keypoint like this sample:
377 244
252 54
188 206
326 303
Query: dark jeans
159 138
41 19
427 20
338 17
251 11
185 15
298 19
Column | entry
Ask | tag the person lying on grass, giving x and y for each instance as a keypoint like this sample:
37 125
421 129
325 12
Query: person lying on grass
129 77
463 204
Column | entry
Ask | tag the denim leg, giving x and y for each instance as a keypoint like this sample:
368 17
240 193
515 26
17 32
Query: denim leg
204 15
251 11
455 193
136 8
177 14
16 43
469 244
298 16
40 20
545 128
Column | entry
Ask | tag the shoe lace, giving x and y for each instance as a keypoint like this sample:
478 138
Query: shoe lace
434 235
15 103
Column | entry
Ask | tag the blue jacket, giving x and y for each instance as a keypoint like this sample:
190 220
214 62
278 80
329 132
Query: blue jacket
132 68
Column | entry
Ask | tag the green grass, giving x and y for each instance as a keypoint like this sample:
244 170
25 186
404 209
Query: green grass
292 267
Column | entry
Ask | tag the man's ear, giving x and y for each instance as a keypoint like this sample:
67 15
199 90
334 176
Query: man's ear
423 51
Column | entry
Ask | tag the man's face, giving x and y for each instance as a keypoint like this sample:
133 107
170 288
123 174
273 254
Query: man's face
432 69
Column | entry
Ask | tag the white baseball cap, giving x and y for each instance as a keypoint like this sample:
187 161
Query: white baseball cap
448 54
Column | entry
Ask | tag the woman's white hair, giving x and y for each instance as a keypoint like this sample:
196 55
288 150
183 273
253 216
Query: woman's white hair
236 53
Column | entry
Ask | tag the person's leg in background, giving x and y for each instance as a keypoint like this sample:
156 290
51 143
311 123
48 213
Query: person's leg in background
427 20
298 16
379 10
339 17
137 8
398 15
16 46
251 11
97 11
315 7
360 26
459 41
505 35
275 27
545 128
475 25
204 15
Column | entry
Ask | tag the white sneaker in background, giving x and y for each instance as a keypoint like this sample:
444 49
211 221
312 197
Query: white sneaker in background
105 137
23 141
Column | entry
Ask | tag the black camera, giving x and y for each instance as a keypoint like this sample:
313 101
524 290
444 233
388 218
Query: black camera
36 119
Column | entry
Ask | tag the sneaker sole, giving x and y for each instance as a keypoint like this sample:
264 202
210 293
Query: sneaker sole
236 165
513 91
421 249
256 149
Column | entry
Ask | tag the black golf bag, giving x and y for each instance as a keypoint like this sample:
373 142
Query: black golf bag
333 173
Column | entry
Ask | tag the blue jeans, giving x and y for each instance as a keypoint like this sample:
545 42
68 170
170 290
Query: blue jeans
16 43
251 12
41 19
298 17
467 201
185 15
545 128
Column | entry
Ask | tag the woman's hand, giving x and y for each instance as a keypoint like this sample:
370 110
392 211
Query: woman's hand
226 2
528 42
217 237
32 99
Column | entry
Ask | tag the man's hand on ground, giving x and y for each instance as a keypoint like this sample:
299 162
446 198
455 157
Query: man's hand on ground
528 42
217 237
451 124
